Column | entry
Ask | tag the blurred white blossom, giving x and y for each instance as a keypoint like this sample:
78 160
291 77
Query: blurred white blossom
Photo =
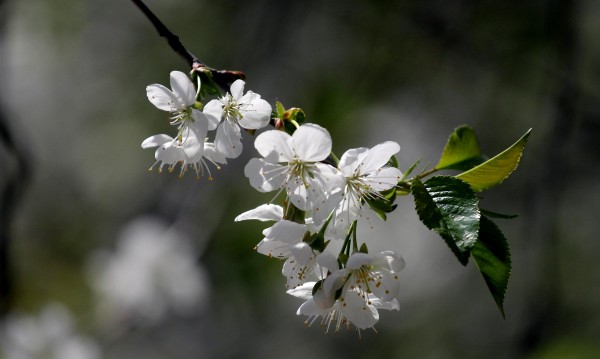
51 335
153 270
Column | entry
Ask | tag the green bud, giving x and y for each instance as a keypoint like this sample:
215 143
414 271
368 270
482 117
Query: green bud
363 248
198 105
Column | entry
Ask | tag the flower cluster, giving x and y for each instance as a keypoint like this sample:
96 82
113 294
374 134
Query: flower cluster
343 290
323 199
190 147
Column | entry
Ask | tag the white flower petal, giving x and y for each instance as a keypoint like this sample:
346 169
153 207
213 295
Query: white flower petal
368 218
287 231
327 260
156 140
298 194
169 153
228 139
311 142
193 147
335 281
309 308
211 153
390 261
274 145
249 97
295 272
265 176
274 249
351 159
379 304
322 212
383 179
183 88
193 138
303 291
358 260
323 189
162 98
255 114
357 311
263 213
214 113
378 156
322 299
303 253
236 89
200 120
388 286
346 212
329 178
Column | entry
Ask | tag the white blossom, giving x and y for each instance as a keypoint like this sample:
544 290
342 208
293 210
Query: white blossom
285 240
351 308
263 213
365 176
50 335
192 153
368 274
367 283
179 102
293 162
152 271
232 112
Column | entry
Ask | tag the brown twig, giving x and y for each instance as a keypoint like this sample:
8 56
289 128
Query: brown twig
222 78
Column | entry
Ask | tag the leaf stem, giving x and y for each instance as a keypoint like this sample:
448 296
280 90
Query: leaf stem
426 173
407 185
354 240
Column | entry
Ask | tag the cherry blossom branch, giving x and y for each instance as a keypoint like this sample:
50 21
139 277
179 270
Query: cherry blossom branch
223 78
171 38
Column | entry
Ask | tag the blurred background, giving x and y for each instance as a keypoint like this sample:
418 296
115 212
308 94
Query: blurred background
100 258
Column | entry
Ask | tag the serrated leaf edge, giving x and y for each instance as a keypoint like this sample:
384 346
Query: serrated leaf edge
523 138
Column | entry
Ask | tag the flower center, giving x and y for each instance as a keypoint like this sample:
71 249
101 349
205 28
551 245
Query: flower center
182 118
300 169
358 187
231 109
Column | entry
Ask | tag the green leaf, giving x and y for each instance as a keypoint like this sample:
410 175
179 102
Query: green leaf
384 203
410 170
449 207
280 110
492 256
209 86
462 151
497 169
393 162
403 188
491 214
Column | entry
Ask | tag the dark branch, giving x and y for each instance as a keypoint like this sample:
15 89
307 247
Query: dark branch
222 78
172 39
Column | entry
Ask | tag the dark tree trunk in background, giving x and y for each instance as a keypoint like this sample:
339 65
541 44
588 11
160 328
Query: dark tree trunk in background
545 306
14 178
